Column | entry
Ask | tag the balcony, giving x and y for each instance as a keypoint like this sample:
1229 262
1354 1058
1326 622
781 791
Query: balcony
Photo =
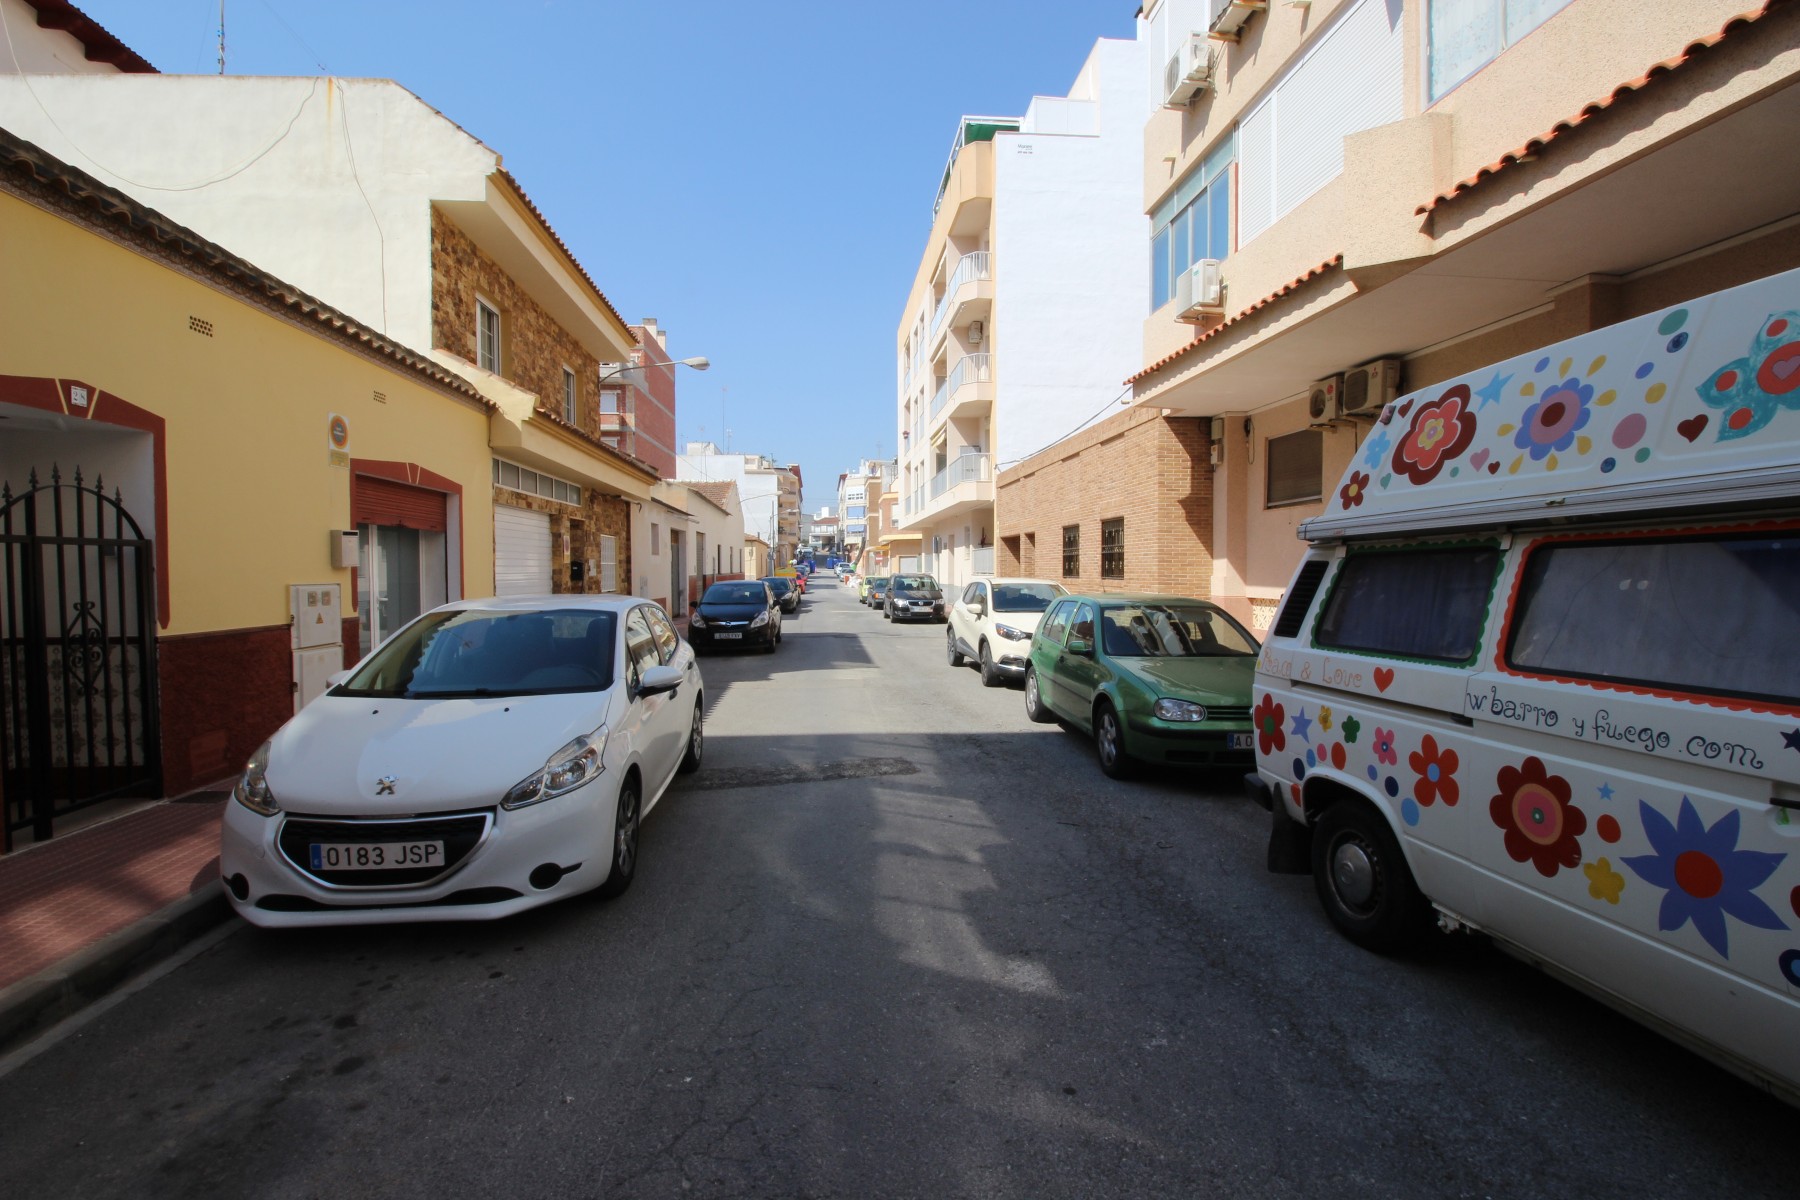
970 388
969 294
965 484
972 132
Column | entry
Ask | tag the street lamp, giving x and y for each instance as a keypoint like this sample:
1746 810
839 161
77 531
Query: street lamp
699 362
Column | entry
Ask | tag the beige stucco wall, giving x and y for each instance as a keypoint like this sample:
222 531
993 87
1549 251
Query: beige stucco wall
252 493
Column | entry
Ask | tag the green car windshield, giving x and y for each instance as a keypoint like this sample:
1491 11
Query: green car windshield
1172 631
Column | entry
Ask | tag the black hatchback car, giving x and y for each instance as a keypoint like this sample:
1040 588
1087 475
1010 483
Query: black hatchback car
787 591
742 612
913 598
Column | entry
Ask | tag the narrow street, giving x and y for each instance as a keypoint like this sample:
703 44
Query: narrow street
892 940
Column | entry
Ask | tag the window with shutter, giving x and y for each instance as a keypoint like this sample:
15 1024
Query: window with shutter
1296 466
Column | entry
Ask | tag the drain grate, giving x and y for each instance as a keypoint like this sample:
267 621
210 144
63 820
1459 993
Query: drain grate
818 772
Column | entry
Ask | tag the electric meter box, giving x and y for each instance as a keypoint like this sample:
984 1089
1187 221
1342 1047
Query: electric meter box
318 637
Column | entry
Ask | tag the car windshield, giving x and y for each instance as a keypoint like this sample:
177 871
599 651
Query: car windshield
735 593
482 652
779 584
1025 597
1172 631
915 585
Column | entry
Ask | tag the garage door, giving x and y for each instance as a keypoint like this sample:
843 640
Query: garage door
521 552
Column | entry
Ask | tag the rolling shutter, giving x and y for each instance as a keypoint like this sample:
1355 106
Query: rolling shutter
521 552
384 502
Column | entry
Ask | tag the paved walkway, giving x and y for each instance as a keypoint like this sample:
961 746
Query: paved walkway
68 894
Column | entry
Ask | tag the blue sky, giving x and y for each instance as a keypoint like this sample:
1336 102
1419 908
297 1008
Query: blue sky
755 174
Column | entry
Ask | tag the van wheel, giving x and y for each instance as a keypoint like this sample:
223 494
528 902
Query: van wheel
1363 880
1035 708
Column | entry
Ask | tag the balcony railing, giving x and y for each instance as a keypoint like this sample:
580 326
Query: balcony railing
971 368
967 468
969 268
938 399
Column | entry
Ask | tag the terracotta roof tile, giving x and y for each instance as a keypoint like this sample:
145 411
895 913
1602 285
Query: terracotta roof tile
560 244
1536 145
717 493
1331 263
100 45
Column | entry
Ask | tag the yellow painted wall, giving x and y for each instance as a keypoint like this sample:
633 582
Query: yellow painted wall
251 491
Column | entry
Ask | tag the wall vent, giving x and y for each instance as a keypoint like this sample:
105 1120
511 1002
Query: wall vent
381 397
200 325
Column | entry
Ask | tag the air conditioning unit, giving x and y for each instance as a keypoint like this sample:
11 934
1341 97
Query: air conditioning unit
1322 407
1369 388
1189 72
1229 16
1199 291
977 331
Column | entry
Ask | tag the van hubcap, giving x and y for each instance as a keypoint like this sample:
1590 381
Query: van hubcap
1353 874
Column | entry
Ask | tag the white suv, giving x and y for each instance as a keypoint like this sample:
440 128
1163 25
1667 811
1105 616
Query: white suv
992 623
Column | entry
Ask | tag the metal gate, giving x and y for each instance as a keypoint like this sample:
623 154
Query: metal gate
78 700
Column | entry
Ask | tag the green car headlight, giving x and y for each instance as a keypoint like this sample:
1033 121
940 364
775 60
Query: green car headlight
1179 710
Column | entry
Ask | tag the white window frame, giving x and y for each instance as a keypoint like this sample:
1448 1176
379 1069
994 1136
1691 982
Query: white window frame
530 481
487 315
609 563
1501 44
570 395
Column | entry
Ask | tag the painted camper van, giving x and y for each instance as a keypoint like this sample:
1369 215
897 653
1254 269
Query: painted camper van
1538 675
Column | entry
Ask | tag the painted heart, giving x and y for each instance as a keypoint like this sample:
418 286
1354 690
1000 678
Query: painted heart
1478 459
1785 367
1693 427
1406 408
1386 479
1493 468
1383 677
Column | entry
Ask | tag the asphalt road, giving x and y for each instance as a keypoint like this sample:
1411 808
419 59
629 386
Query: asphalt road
893 940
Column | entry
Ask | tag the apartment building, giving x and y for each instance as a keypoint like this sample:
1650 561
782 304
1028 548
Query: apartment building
1354 198
859 498
1024 314
768 492
637 399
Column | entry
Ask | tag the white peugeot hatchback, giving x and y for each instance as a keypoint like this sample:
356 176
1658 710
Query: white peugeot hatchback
492 756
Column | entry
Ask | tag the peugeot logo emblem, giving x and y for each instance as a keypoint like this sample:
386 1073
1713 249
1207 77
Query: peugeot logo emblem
385 785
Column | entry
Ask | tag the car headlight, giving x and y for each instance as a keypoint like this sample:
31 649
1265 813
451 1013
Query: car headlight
696 621
564 771
761 618
252 791
1180 710
1011 634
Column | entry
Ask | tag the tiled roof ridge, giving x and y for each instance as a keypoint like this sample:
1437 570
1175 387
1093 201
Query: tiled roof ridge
19 155
101 44
1531 148
1336 260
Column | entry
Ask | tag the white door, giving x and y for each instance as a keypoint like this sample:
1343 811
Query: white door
521 552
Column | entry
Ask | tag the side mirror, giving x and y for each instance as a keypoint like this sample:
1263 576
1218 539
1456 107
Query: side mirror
657 680
1081 646
979 608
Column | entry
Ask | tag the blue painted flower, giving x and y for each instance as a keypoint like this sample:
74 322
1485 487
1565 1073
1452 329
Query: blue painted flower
1706 877
1752 389
1376 448
1551 424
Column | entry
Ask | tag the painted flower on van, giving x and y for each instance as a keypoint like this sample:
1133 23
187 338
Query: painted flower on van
1705 876
1549 426
1352 493
1440 431
1268 718
1384 747
1604 883
1752 389
1436 771
1542 826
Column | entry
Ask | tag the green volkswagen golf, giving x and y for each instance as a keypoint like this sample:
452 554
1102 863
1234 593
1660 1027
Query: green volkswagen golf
1154 679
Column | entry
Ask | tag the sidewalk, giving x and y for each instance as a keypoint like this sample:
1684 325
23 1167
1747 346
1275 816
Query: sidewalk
84 911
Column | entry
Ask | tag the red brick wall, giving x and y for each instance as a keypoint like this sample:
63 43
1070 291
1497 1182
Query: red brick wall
1154 472
655 408
222 694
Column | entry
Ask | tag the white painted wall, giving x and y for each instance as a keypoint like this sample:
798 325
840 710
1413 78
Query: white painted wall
758 490
314 180
1071 254
27 49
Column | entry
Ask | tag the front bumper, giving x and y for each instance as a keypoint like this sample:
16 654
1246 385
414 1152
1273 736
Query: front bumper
909 611
569 833
709 637
1199 744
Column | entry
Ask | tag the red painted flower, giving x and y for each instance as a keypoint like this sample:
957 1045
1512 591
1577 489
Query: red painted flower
1436 770
1541 825
1384 747
1268 718
1440 431
1352 493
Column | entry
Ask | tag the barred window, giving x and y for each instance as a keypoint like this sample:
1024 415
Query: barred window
1112 548
1071 550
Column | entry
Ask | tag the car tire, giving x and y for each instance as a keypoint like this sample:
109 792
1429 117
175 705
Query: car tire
990 674
626 815
1109 742
696 746
1035 708
950 651
1363 881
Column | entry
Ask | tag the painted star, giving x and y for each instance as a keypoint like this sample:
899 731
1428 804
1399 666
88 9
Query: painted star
1490 393
1302 726
1606 791
1791 741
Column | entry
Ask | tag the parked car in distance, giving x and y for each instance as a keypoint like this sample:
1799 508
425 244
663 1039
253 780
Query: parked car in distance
878 588
992 623
738 612
491 756
913 598
1154 679
845 571
863 584
786 589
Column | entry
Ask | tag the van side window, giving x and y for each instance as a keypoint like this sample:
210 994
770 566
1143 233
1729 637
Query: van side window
1057 622
1714 615
1418 603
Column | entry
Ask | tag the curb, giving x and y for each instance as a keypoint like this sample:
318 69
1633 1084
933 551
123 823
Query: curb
33 1004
